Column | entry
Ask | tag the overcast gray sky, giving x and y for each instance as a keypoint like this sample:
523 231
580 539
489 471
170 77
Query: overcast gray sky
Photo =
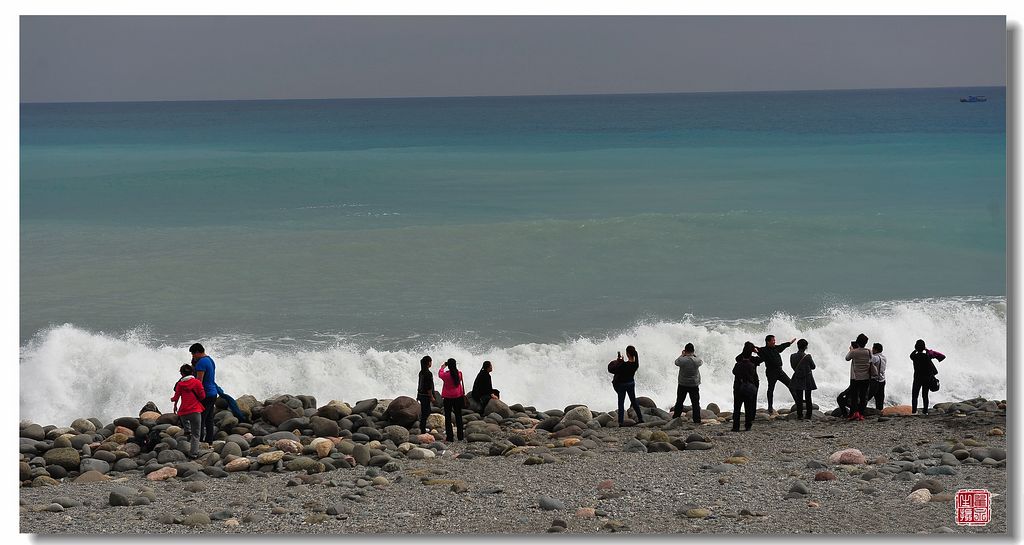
105 58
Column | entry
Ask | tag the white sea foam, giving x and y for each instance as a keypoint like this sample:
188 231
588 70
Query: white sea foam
67 372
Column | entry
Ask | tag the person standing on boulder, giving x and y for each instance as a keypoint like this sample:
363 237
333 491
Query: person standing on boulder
689 382
425 391
483 391
803 379
876 390
206 371
190 391
453 395
771 355
925 374
859 357
624 383
744 385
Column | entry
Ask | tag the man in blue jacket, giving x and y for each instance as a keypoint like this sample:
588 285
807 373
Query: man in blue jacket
206 371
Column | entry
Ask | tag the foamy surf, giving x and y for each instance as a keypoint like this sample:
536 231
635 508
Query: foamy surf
67 372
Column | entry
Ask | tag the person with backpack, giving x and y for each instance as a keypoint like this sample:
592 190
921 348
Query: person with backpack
206 371
744 386
876 390
189 390
425 391
859 357
624 383
453 395
802 381
689 382
925 374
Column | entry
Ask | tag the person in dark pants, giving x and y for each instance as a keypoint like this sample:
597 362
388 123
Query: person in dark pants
744 386
803 379
453 395
483 391
876 390
843 400
771 355
206 371
924 373
624 383
425 391
689 383
859 357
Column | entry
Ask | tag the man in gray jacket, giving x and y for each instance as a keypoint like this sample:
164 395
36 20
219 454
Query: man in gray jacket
689 382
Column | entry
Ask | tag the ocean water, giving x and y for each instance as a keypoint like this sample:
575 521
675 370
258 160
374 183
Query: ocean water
324 246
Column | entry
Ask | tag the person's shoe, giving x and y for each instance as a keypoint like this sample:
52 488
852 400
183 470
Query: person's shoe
852 417
747 428
860 417
449 439
736 428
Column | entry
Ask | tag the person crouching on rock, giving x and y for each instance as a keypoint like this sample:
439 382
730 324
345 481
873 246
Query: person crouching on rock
189 390
744 386
452 394
483 391
624 383
425 391
803 379
689 382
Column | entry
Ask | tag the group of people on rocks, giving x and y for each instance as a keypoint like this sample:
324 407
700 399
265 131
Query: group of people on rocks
196 393
867 379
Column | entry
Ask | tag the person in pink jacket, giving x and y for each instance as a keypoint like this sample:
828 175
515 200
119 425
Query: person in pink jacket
453 395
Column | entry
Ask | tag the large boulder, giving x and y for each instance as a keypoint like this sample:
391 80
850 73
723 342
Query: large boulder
579 414
848 456
33 431
403 410
498 406
365 406
278 413
68 458
897 410
397 434
335 410
324 427
82 425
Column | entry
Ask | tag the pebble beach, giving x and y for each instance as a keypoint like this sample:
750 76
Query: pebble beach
295 466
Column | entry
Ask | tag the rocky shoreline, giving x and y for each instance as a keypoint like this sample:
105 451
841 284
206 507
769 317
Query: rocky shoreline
297 467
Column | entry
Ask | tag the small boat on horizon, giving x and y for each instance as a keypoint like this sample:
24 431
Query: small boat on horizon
974 98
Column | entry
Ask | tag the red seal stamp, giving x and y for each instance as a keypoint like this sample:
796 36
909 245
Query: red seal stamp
973 507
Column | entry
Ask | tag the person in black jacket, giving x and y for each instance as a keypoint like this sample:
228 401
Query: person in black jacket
744 386
483 392
924 374
425 391
624 383
803 379
771 355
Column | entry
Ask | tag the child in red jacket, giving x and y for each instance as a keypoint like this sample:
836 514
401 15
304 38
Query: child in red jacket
190 391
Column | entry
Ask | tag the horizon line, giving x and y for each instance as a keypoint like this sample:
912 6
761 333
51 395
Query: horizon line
536 95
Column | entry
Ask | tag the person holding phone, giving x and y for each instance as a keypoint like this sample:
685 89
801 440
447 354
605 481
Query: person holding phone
744 386
453 395
924 374
803 379
624 383
859 357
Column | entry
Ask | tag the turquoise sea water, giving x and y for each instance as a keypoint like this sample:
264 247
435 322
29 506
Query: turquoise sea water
482 224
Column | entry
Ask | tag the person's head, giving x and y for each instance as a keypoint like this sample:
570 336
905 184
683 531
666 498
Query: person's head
425 363
769 340
919 345
487 367
688 348
862 340
185 370
631 353
748 348
801 345
876 348
197 351
454 370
